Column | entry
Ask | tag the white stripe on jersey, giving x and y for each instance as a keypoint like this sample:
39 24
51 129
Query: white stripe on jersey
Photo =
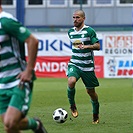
81 68
82 54
81 39
79 32
5 49
10 73
9 85
4 38
12 60
81 62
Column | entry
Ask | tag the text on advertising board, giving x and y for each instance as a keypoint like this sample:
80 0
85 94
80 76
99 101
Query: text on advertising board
125 68
56 45
118 45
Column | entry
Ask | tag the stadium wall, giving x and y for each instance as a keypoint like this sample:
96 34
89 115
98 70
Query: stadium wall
57 16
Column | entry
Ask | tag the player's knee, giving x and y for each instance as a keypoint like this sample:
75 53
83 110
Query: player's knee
10 125
71 82
91 92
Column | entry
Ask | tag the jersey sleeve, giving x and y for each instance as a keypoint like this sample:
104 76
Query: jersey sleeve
68 33
15 29
93 36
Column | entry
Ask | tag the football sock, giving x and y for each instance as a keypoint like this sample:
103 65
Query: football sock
71 95
32 124
95 105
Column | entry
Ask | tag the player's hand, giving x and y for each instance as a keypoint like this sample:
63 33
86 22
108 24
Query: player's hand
24 76
81 46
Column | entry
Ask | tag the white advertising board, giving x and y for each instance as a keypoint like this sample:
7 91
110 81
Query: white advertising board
57 44
118 44
118 67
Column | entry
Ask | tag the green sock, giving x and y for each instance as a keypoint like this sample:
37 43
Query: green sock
71 95
95 105
32 124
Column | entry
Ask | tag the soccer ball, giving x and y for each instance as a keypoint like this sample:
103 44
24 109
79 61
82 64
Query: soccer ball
60 115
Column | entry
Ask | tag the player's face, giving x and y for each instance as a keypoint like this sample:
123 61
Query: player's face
78 20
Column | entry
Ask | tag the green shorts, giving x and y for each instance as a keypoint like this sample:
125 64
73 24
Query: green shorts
88 77
17 98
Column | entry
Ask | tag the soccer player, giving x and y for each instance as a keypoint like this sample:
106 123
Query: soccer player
16 76
81 64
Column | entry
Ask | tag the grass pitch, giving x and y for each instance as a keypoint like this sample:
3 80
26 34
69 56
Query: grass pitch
116 107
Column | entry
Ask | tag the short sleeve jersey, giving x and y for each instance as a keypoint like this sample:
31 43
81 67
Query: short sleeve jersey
83 58
12 57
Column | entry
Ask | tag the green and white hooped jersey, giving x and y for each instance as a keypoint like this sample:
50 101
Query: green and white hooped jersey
82 58
12 37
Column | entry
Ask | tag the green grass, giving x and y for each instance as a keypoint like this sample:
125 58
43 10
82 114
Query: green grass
115 97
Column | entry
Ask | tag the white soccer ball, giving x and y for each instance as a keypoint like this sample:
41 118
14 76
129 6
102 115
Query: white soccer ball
60 115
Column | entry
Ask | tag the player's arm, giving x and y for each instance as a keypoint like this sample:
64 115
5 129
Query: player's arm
95 46
32 46
22 34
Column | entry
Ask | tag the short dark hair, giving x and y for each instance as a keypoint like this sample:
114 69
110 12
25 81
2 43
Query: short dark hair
82 13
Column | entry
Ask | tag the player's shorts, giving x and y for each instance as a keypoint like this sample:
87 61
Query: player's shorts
88 77
16 97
